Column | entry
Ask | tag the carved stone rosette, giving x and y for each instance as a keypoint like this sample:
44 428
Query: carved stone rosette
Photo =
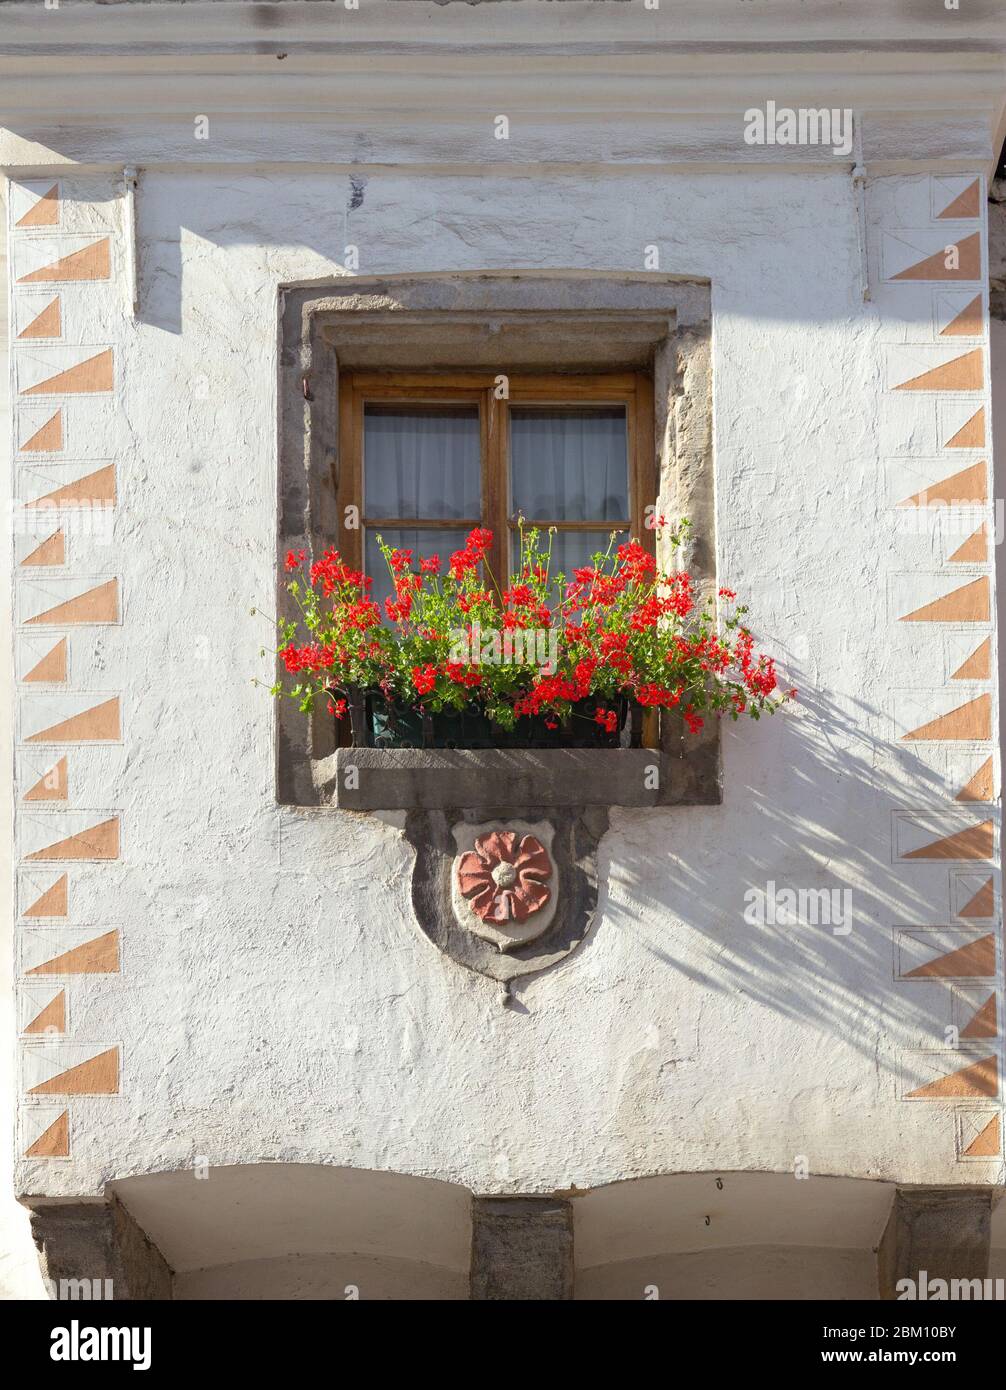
509 896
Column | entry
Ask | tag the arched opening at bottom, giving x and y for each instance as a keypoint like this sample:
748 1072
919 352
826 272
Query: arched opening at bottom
304 1231
730 1236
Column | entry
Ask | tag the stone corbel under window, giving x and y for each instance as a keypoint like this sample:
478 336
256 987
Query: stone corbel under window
519 321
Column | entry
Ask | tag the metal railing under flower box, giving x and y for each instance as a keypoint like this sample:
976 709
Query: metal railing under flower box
378 722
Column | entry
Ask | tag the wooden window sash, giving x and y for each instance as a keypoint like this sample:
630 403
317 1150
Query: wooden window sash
630 389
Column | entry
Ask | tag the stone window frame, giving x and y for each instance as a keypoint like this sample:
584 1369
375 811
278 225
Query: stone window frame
514 322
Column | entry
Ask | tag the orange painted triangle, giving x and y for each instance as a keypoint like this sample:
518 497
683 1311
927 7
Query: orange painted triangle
965 204
95 488
95 725
976 842
54 1142
968 604
968 323
97 957
97 1077
51 786
967 488
44 213
965 373
934 267
984 1023
98 605
971 434
52 551
47 324
979 788
48 439
94 374
974 550
52 1018
92 262
52 667
977 958
978 666
970 721
987 1144
979 1079
983 904
52 903
99 842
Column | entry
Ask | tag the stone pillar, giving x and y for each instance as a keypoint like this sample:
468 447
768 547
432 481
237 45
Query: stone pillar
92 1249
522 1248
942 1230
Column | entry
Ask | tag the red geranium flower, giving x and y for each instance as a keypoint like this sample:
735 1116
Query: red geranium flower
424 678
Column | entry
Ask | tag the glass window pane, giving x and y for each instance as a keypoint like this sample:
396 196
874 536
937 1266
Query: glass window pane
422 461
420 542
571 549
569 464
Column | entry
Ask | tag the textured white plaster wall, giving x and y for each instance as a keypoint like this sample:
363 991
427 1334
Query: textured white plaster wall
277 1000
19 1272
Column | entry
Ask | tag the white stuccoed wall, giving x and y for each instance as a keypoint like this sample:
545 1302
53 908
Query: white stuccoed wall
276 998
19 1272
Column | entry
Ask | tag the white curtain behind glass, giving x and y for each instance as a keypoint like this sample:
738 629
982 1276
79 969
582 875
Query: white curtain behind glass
422 461
419 461
569 464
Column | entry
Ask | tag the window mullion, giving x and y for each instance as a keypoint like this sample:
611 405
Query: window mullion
495 483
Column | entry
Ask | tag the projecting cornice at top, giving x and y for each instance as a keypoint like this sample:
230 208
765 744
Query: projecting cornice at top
418 83
504 26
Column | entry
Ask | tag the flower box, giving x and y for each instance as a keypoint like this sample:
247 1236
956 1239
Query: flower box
377 722
456 661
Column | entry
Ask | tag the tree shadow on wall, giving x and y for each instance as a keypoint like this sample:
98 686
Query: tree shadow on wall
824 816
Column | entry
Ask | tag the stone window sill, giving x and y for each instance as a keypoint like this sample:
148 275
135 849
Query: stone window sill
379 779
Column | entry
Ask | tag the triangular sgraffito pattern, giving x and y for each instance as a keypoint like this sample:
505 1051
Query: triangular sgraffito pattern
979 1080
965 373
978 666
970 721
48 438
98 1076
97 957
971 434
90 377
968 488
968 604
975 960
53 1142
987 1144
974 550
89 263
47 324
983 1023
978 787
966 204
44 213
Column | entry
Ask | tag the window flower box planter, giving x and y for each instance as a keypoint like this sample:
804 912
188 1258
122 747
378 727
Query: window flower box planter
377 722
438 710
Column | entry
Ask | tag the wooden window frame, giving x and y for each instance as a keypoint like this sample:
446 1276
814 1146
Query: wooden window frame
358 389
